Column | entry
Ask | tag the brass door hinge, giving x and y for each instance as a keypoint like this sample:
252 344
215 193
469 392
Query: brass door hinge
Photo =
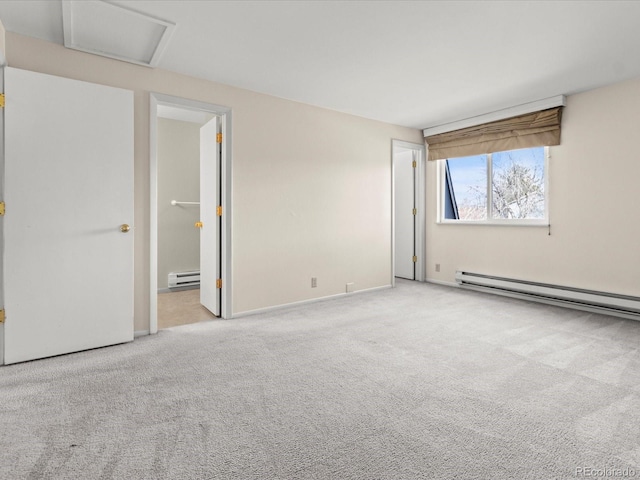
219 210
1 209
1 100
219 283
415 259
219 138
2 316
199 224
415 211
414 164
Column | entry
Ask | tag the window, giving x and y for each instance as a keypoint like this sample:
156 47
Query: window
502 187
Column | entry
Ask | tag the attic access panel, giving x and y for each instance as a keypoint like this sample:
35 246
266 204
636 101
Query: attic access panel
113 31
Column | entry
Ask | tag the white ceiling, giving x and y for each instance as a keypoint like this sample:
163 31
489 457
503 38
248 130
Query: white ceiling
413 63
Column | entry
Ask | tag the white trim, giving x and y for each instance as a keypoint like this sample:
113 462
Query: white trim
420 186
179 289
225 114
2 175
547 192
153 213
516 222
393 220
226 309
307 302
140 333
440 173
443 283
421 203
557 101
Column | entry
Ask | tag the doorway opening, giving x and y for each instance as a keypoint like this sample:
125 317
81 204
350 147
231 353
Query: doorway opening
190 212
408 210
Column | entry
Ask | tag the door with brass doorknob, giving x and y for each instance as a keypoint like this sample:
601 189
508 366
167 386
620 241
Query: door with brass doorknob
81 297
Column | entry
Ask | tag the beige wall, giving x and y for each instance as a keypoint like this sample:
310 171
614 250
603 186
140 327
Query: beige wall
178 179
593 200
311 187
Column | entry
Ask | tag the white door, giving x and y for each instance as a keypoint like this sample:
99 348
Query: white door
210 229
68 264
405 219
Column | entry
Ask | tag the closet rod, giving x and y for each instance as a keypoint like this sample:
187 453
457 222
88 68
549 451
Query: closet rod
175 202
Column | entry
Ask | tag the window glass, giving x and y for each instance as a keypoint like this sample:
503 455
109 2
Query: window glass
518 184
516 189
468 187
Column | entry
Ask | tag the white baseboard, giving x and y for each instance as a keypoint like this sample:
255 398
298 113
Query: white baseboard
442 282
179 289
306 302
140 333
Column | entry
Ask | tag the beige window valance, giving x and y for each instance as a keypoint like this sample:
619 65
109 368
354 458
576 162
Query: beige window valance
535 129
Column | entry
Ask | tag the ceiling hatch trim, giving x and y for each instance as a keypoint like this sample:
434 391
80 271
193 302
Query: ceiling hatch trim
109 30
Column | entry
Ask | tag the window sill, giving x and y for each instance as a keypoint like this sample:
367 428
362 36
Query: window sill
497 223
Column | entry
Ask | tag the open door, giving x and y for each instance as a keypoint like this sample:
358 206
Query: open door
210 219
409 210
68 244
405 215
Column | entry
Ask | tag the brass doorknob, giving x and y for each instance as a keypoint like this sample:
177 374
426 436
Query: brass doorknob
124 228
199 224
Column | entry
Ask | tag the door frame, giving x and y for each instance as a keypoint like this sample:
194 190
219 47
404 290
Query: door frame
420 231
3 63
224 113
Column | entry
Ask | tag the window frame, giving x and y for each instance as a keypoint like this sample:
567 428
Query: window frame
531 222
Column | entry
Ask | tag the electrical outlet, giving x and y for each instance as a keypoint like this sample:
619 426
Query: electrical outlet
314 282
437 267
350 287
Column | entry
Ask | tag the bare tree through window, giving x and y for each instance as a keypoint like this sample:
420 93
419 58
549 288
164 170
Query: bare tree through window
516 190
517 187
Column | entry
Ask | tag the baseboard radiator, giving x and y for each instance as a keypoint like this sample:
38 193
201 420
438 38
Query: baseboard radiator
184 279
589 300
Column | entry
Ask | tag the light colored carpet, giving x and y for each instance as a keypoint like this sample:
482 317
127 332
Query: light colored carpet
418 382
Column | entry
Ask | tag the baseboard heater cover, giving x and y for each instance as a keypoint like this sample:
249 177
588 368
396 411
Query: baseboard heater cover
600 302
184 279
